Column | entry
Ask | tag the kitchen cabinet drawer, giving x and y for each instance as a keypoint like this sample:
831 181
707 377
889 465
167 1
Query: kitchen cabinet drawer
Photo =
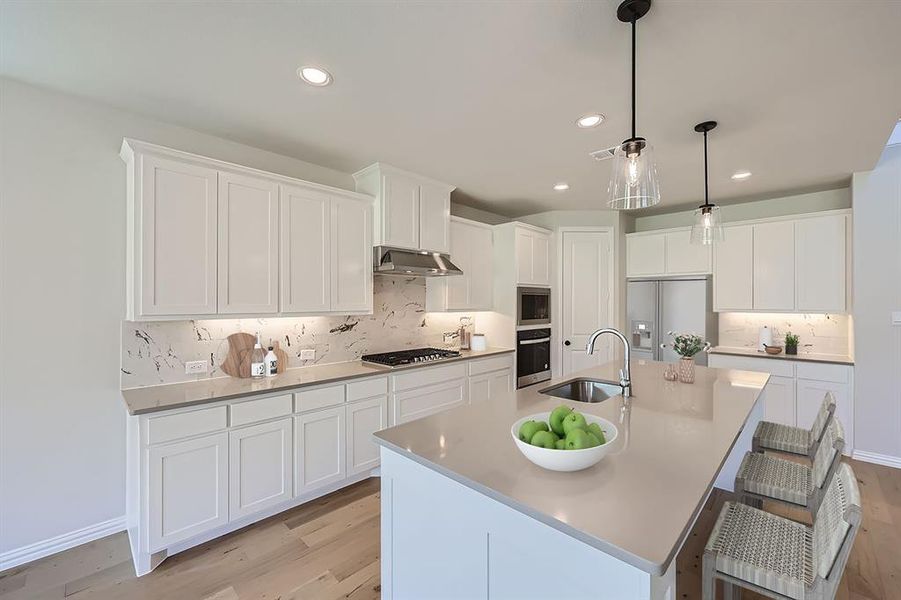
428 376
486 365
261 409
421 402
318 398
780 368
824 372
186 424
367 388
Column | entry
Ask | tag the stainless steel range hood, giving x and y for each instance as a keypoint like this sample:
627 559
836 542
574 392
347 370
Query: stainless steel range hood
398 261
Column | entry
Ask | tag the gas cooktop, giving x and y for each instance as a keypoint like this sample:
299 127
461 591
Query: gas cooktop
409 357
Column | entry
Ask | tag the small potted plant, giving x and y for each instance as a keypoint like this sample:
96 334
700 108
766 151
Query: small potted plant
686 345
791 343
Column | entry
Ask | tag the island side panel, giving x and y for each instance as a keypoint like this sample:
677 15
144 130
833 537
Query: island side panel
725 480
441 539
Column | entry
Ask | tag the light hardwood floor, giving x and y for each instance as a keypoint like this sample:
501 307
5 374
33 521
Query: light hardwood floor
329 548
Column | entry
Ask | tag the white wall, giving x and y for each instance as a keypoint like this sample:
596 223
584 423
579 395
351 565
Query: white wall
877 292
62 271
476 214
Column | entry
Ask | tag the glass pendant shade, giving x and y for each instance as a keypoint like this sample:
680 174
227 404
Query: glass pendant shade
708 226
633 182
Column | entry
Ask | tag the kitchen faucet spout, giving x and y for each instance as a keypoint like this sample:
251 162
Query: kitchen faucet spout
625 376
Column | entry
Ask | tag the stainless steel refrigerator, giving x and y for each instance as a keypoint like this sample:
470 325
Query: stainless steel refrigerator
657 306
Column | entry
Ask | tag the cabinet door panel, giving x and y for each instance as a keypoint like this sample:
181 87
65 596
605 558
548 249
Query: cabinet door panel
774 266
541 259
363 419
481 271
305 250
459 286
260 471
733 269
434 218
351 264
248 244
779 400
524 255
490 386
683 257
645 255
319 449
820 263
810 397
400 211
178 238
187 488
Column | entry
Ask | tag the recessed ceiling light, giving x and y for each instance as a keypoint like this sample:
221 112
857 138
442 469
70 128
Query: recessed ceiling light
739 175
561 187
315 76
589 121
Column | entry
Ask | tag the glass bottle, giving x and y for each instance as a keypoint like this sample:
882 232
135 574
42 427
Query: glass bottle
257 359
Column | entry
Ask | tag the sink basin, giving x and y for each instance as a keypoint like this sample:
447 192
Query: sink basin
584 390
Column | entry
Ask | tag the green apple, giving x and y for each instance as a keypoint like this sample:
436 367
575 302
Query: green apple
572 421
545 439
595 429
594 441
556 418
577 439
530 428
561 444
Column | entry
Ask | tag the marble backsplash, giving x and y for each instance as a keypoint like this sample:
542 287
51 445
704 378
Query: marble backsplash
156 352
819 333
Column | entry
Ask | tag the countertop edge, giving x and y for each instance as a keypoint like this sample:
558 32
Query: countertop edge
605 547
377 371
751 353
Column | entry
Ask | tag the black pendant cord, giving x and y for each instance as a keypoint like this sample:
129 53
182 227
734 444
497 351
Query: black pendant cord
706 192
633 76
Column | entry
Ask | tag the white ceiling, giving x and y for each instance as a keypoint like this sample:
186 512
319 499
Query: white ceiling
483 95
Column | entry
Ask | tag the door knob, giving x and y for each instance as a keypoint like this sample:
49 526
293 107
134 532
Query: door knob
567 343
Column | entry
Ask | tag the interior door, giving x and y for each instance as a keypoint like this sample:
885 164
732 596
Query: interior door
585 298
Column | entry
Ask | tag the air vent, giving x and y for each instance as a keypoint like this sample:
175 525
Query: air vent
603 154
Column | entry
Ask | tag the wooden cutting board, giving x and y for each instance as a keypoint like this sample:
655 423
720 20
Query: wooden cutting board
240 347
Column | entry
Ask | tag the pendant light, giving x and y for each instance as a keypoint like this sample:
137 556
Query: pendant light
633 183
708 226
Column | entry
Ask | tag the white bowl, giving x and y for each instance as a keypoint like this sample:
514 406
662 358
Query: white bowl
565 460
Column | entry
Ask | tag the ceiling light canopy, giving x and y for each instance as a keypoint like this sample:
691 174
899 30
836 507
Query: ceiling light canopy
589 121
315 76
708 226
561 187
633 182
739 175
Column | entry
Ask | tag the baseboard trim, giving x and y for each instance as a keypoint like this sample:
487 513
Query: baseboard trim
885 460
25 554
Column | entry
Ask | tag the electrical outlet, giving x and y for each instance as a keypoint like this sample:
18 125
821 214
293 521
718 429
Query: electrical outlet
192 367
309 354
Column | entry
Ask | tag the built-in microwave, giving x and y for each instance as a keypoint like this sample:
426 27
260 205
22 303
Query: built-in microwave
533 306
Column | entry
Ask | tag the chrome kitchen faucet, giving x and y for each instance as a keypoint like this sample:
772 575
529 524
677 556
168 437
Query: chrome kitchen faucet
625 377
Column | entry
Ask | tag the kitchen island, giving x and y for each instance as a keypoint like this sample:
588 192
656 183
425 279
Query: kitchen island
465 515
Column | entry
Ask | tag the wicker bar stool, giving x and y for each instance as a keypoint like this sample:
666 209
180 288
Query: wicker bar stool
765 477
794 440
780 558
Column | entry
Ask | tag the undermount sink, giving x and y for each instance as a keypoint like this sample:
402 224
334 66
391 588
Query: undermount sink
584 390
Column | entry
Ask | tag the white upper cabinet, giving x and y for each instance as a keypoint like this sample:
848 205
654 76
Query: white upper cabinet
733 269
645 255
411 211
533 259
305 250
774 266
248 244
208 238
172 230
667 252
471 248
820 263
351 251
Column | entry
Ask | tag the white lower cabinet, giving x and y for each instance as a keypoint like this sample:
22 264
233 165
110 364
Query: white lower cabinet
779 400
319 449
260 473
490 386
810 396
364 418
187 489
422 402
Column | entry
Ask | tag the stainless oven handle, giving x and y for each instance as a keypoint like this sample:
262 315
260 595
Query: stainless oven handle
538 341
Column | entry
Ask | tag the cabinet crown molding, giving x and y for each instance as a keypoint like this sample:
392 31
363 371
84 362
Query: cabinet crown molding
386 168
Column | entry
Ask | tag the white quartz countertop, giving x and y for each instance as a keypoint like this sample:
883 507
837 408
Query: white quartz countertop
178 395
640 501
837 359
